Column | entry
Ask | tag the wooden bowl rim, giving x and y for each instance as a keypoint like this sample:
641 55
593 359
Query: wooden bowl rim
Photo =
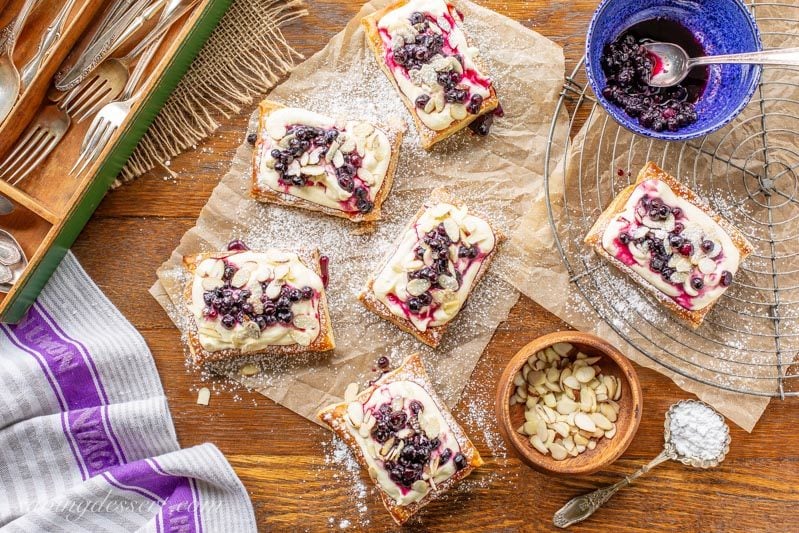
526 452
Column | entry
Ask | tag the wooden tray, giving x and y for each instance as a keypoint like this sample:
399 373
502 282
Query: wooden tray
52 207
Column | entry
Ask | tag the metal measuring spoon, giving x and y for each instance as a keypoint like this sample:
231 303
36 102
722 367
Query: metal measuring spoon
581 507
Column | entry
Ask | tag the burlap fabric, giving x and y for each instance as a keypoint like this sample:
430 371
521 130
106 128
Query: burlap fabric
244 58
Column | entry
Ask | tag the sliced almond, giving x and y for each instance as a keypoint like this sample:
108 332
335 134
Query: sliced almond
351 392
273 289
585 374
559 453
355 413
301 337
448 282
538 444
417 286
601 421
584 422
562 348
210 284
249 370
203 396
240 278
217 270
304 322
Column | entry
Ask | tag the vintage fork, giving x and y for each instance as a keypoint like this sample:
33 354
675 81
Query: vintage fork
111 116
44 133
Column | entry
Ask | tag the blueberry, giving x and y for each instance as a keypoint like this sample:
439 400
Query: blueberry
417 18
229 321
208 297
624 238
460 461
726 278
707 246
474 104
416 407
308 293
346 183
697 283
364 206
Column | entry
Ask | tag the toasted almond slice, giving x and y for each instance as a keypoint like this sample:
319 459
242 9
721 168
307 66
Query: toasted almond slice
585 374
203 396
584 422
448 282
538 444
249 370
536 377
562 348
301 337
273 289
561 428
566 405
591 444
241 277
355 413
559 453
304 322
601 421
611 432
518 379
572 382
417 286
282 271
530 427
351 392
210 284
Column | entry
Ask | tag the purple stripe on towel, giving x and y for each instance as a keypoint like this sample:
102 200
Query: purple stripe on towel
174 493
73 376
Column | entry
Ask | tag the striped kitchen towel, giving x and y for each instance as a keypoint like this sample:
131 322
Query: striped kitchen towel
86 438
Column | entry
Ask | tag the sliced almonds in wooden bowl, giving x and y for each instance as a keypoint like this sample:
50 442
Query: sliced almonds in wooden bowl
569 403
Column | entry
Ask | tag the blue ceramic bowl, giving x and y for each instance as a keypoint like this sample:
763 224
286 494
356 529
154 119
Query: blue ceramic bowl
719 26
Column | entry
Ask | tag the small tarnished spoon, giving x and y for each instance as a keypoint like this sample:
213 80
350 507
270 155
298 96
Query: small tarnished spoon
579 508
10 252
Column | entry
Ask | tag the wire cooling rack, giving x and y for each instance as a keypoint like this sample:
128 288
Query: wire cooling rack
749 172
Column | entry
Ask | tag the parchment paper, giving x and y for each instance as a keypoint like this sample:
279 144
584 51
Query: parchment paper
500 176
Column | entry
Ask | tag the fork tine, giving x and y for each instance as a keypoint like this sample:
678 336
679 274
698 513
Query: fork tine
45 150
35 150
99 101
90 141
29 146
21 145
99 146
81 93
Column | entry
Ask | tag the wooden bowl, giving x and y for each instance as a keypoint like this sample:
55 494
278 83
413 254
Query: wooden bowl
607 450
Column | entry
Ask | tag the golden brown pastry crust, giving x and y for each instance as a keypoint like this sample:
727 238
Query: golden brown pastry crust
323 342
651 171
433 335
280 198
428 136
411 369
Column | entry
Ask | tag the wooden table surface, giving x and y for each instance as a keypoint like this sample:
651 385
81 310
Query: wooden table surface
280 456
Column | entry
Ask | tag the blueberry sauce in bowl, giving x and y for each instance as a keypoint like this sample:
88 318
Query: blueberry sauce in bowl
706 101
628 67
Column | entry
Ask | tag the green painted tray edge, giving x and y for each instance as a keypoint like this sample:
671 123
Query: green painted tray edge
95 192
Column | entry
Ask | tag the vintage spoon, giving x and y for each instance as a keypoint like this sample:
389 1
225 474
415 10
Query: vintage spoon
9 75
12 261
581 507
674 64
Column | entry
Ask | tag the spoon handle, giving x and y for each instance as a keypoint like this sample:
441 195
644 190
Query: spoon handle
581 507
51 36
783 56
19 23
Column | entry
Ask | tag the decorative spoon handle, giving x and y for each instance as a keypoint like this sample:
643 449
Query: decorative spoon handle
51 35
784 56
581 507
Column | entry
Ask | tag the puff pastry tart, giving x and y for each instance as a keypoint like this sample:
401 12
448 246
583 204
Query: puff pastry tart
438 260
308 160
422 48
671 242
246 302
405 437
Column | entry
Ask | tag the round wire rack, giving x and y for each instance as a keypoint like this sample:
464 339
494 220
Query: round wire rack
748 172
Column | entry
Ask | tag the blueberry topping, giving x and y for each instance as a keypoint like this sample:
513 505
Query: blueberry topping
726 278
460 461
252 138
422 100
697 283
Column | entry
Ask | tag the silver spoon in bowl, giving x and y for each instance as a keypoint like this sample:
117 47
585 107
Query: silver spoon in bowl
581 507
674 63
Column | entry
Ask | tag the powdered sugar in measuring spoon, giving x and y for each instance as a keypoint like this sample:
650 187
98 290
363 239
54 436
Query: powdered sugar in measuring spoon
696 435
